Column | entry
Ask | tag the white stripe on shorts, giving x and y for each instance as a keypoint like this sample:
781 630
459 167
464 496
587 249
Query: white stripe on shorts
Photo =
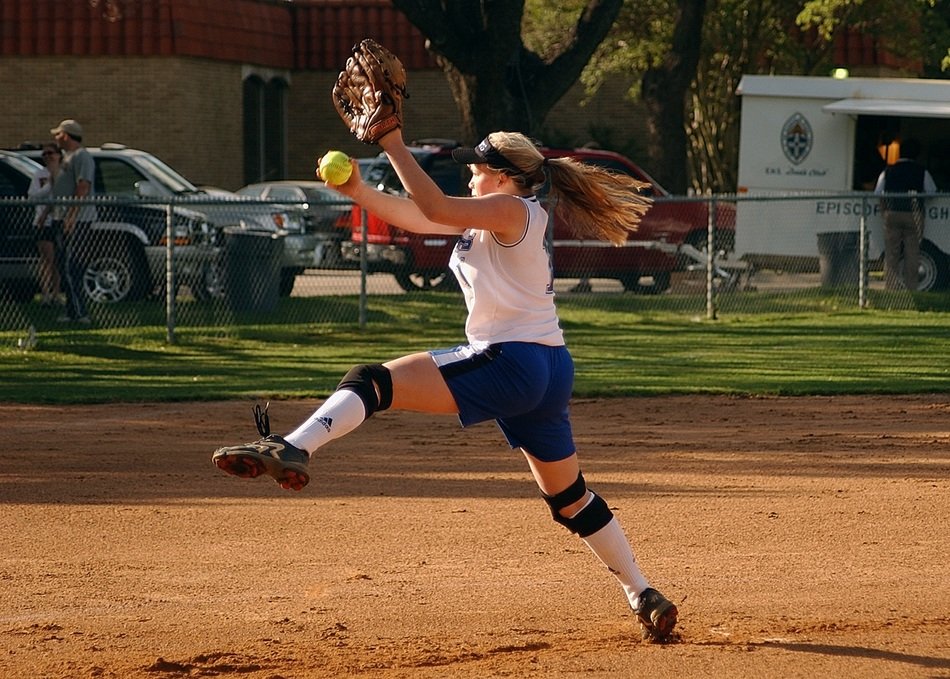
443 357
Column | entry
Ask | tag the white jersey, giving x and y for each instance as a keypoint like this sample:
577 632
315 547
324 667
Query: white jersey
508 288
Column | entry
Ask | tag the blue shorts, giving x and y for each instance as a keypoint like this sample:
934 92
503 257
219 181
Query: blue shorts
524 387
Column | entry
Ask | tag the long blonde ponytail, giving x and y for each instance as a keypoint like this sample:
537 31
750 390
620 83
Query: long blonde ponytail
595 203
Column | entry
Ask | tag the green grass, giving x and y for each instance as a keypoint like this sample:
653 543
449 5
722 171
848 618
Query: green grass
622 346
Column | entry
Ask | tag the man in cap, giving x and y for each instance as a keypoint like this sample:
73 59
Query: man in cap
76 180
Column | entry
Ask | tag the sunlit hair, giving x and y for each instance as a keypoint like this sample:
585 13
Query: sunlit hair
594 202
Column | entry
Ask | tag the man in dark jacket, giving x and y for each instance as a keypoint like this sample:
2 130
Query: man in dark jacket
904 215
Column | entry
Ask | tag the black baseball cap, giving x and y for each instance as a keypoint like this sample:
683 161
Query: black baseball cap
484 154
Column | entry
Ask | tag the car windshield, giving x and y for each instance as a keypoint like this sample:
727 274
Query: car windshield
291 193
162 173
253 191
450 176
319 194
22 163
382 176
617 166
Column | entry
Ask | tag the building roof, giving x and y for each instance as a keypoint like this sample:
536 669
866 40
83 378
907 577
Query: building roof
307 34
326 30
822 87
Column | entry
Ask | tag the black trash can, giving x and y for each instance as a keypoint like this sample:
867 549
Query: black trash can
253 269
838 259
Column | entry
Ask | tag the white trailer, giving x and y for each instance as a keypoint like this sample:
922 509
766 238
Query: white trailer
825 141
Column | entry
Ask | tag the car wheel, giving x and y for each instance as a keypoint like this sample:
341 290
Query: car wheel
210 285
647 284
932 271
115 274
426 280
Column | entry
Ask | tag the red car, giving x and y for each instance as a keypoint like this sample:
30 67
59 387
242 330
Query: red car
643 265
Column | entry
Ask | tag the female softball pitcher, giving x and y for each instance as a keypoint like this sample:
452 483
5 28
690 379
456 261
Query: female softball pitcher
515 368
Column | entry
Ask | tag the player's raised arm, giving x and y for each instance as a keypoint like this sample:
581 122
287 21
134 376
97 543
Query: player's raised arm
492 208
397 210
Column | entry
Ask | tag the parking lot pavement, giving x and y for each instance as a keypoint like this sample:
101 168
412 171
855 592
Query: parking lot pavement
315 283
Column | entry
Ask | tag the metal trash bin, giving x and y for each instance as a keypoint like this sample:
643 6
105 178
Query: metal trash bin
252 266
838 253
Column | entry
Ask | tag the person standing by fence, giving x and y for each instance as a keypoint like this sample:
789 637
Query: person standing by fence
47 236
77 180
903 216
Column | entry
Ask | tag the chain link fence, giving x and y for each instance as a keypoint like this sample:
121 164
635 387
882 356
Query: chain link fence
830 248
217 263
210 262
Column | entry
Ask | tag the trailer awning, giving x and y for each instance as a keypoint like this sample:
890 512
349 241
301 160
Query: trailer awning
890 107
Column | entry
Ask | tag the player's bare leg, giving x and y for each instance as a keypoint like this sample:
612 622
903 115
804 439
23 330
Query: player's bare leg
418 385
585 513
409 383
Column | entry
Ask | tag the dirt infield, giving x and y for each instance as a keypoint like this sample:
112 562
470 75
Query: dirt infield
800 537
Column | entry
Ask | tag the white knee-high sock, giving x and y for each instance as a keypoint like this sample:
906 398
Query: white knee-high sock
340 414
613 549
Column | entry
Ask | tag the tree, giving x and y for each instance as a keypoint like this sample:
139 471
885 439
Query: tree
917 29
739 37
746 36
663 88
496 81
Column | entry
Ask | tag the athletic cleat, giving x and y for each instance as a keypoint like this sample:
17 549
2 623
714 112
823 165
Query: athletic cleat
656 615
271 455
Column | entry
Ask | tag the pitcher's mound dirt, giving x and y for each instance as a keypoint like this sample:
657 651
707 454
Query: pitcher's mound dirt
800 537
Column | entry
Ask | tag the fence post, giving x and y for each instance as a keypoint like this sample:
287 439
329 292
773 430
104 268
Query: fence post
863 255
170 295
710 256
364 266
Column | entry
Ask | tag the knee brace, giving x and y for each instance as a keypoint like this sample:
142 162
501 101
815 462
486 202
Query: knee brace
594 515
364 381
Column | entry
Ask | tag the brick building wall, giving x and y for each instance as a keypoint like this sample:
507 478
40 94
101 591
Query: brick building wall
186 111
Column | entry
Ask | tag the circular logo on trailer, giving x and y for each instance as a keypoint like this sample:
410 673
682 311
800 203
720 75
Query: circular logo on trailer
797 138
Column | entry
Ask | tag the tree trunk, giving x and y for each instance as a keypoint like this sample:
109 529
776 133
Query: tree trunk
496 82
664 90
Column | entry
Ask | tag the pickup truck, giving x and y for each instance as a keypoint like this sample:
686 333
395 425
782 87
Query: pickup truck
672 235
126 173
128 260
